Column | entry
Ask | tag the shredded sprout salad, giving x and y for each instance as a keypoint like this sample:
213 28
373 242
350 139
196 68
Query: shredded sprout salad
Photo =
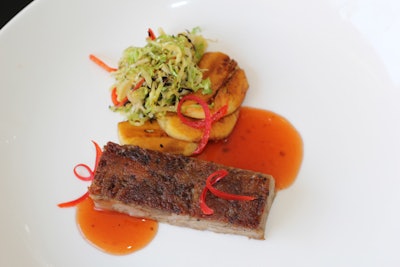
151 80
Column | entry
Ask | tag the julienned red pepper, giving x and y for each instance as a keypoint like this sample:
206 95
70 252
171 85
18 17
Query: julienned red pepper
214 178
98 155
203 205
114 97
207 120
74 202
88 170
201 124
90 177
206 134
151 34
211 180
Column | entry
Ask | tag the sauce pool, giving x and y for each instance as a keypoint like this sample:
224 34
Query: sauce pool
262 141
113 232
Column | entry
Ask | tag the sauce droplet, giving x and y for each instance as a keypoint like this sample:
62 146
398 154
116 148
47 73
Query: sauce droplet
262 141
113 232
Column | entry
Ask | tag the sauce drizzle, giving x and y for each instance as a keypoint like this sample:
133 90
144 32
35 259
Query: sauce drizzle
262 141
113 232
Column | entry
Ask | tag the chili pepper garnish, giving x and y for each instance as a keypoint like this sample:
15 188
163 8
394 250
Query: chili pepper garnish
101 63
151 34
207 120
203 205
90 177
74 202
211 180
114 98
198 124
201 124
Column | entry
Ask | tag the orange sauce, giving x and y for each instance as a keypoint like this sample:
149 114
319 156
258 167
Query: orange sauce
112 232
262 141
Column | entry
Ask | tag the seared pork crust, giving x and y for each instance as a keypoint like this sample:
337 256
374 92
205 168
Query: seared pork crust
167 188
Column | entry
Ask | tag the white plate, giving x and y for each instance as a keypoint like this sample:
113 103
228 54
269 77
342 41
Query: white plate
332 67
